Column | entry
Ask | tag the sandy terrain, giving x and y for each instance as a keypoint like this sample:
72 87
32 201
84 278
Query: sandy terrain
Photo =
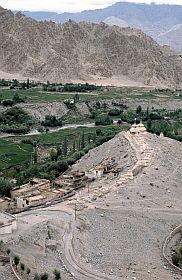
11 76
121 81
120 234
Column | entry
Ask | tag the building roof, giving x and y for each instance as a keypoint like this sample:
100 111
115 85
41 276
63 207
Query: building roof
34 198
27 187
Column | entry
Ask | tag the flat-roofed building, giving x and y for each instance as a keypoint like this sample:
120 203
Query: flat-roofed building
32 188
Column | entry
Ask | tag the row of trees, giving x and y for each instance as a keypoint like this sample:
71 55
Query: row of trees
63 155
69 87
43 276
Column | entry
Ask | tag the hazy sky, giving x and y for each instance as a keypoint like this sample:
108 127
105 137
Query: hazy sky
69 5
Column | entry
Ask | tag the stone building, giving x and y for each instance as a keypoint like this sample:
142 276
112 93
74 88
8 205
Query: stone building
32 188
137 128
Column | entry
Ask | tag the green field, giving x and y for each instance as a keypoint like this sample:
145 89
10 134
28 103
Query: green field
12 153
37 95
71 133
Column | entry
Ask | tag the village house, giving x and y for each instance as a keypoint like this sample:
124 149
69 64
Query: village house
32 193
73 180
105 167
34 186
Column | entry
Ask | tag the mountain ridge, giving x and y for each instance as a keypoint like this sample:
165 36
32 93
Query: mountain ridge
153 19
83 51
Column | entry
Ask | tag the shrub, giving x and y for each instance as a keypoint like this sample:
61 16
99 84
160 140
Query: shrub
37 277
52 121
22 266
114 112
28 270
16 260
7 102
57 274
103 120
44 276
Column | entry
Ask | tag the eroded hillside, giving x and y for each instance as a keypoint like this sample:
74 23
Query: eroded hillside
47 50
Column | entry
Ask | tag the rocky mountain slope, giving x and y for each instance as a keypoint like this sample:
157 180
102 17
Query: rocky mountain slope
82 51
172 37
153 19
115 21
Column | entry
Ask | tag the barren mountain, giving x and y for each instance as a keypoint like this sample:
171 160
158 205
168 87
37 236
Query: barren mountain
115 21
83 51
153 19
172 37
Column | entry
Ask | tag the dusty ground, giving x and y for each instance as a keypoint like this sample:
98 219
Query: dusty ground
118 235
123 236
121 81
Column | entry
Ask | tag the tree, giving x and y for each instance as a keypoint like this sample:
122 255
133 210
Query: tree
65 147
139 110
59 151
57 274
16 260
22 266
103 120
98 132
35 154
28 83
82 142
5 187
74 146
53 155
76 98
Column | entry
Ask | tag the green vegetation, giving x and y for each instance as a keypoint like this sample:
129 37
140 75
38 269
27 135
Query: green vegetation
103 120
170 123
49 154
28 270
22 266
14 154
57 274
70 87
15 120
52 121
5 187
37 277
66 147
16 261
44 276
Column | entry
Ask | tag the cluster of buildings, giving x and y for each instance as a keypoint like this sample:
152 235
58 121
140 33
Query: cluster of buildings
42 191
104 167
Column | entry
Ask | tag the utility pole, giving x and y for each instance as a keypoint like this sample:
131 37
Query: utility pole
88 189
